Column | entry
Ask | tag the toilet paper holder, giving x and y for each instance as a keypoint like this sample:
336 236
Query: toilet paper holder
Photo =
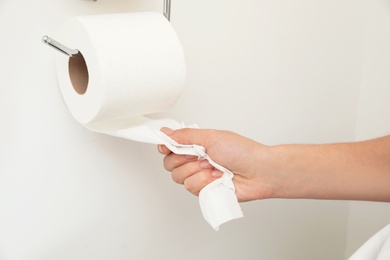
74 52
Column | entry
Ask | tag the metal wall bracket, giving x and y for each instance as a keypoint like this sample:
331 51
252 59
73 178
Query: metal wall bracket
167 9
73 52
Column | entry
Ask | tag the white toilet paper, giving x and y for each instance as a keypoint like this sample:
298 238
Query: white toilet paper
132 65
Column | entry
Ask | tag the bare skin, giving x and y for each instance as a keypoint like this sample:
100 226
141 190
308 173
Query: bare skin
347 171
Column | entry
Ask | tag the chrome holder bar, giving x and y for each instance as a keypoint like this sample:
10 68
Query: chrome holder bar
58 46
167 9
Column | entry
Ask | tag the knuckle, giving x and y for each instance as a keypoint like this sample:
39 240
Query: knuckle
189 186
194 185
171 161
176 177
204 178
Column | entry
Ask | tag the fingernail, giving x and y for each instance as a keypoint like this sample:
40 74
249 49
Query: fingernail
166 130
204 164
216 173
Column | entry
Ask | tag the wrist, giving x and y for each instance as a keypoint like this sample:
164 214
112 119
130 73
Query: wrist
286 180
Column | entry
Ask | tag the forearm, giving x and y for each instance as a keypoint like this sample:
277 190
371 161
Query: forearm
353 171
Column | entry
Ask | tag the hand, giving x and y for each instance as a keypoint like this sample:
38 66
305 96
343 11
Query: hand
240 155
348 171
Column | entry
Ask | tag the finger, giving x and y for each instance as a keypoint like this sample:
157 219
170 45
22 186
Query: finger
179 174
172 161
196 182
163 149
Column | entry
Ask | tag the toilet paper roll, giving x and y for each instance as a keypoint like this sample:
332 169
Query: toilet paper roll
132 65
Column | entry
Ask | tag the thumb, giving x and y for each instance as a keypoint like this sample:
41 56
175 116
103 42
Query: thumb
188 135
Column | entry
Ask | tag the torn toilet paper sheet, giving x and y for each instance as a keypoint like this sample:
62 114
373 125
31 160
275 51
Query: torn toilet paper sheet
217 200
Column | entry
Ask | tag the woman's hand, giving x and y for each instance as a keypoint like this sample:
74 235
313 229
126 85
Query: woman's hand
240 155
348 171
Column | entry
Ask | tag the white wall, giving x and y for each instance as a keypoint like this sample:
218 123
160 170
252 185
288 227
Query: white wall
366 218
276 71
